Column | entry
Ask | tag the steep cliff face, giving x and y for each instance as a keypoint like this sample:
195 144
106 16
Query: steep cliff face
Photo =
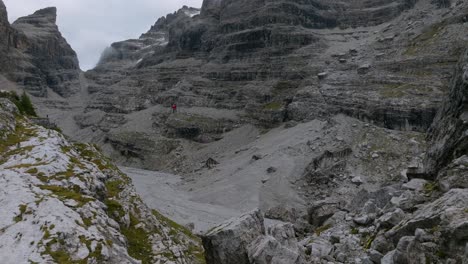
269 62
57 63
448 137
10 41
36 56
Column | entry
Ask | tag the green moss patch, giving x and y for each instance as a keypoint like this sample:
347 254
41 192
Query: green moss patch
22 209
273 106
67 194
322 229
139 245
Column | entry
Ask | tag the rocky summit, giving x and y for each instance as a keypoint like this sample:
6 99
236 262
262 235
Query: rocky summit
306 131
36 56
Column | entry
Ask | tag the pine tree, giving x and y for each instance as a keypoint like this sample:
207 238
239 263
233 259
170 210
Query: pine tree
26 105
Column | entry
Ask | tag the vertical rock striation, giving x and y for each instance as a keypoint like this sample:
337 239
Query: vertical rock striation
56 62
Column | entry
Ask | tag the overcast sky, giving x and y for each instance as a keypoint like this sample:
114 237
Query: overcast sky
92 25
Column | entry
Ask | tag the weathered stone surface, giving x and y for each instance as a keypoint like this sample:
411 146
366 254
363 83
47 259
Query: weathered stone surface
35 55
267 250
7 117
321 211
447 134
229 242
320 248
390 219
415 185
279 246
50 52
447 214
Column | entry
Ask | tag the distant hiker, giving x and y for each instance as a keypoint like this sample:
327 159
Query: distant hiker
174 108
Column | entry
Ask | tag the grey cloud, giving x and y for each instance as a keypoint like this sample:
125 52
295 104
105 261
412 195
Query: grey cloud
90 26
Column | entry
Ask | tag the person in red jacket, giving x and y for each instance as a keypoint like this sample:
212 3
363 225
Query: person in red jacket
174 108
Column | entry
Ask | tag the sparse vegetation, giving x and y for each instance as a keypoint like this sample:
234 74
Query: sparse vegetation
424 39
431 187
23 102
21 134
65 193
22 209
139 245
273 106
354 231
322 229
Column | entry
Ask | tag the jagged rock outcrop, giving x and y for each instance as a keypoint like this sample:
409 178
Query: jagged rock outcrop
56 62
445 222
228 243
7 117
9 42
246 240
448 133
65 202
279 245
36 56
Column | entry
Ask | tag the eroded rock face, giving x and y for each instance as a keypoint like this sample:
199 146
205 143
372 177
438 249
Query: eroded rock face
36 56
7 117
279 245
245 241
448 133
228 243
56 61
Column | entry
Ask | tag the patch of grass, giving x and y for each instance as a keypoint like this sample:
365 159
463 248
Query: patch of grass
114 208
441 254
434 229
354 231
32 171
174 226
21 134
87 221
273 106
59 256
139 245
196 252
114 188
367 241
22 209
431 187
25 166
66 174
97 254
67 194
41 176
322 229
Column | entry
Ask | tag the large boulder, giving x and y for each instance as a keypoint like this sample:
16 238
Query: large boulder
228 243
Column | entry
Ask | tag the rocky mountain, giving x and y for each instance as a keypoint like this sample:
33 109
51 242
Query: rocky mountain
423 220
266 63
334 129
36 55
65 202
